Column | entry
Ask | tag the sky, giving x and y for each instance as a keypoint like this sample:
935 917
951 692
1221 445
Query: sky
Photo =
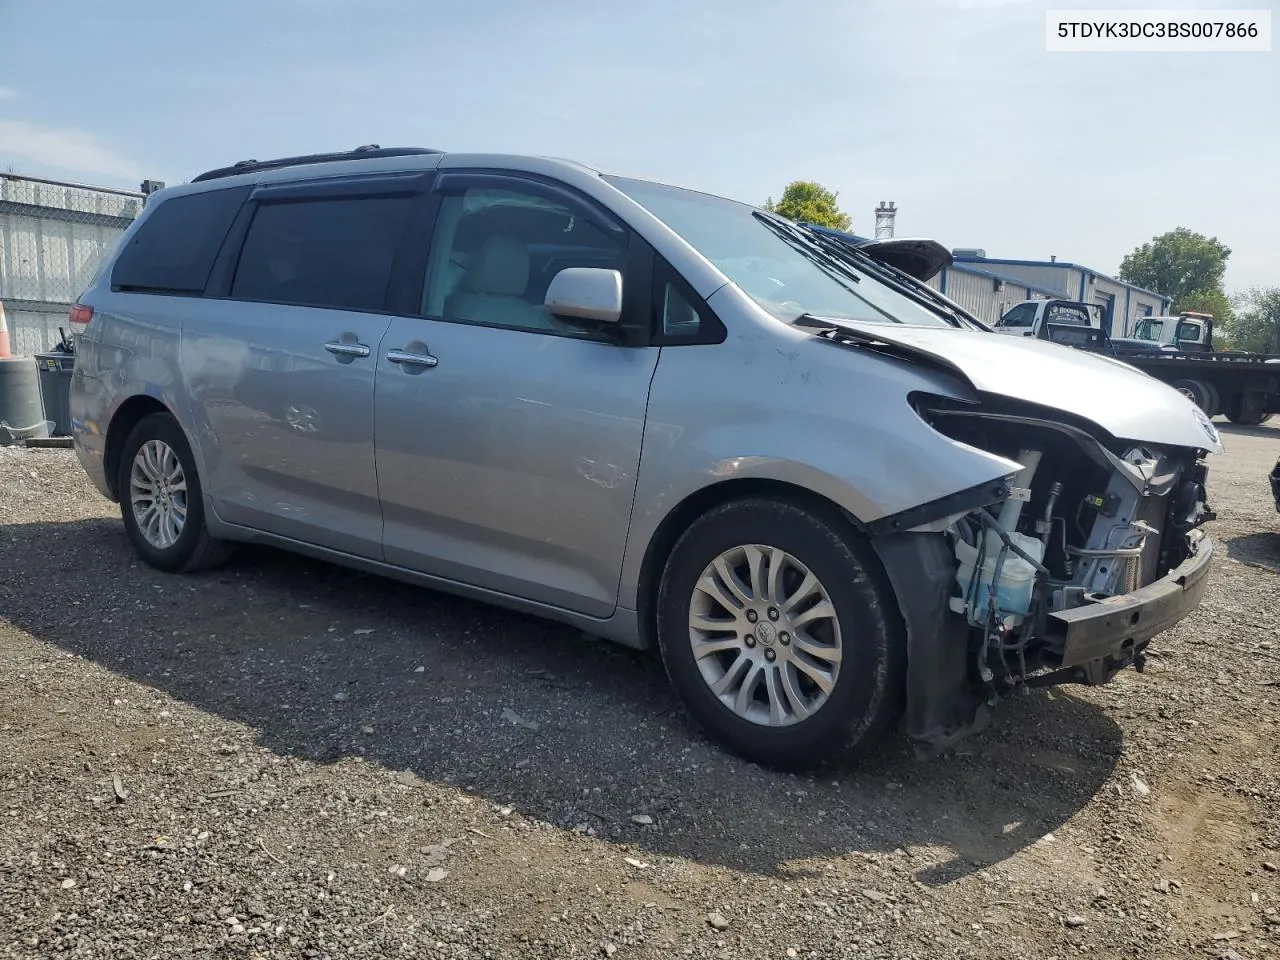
952 109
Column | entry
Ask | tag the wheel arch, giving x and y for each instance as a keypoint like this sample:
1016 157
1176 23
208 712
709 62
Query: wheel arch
708 498
126 417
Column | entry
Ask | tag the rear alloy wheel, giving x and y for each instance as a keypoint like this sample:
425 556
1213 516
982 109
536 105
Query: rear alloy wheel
775 633
160 498
158 494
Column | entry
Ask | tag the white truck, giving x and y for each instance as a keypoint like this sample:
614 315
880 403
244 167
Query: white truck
1243 387
1070 322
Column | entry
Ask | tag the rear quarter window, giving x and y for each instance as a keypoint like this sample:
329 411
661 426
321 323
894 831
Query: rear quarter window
173 249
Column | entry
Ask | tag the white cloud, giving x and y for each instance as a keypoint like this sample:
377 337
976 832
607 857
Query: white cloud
7 93
63 147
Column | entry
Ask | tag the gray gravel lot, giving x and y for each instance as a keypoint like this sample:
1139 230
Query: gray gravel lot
287 759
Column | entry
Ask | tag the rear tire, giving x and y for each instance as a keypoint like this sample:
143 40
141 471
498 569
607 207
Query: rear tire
804 646
161 500
1245 409
1215 401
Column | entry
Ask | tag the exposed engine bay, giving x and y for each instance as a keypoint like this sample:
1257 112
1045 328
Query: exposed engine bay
1062 577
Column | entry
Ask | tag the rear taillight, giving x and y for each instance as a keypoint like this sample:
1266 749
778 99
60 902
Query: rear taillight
80 317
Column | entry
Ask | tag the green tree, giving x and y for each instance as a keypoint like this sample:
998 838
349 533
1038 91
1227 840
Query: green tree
1177 264
807 202
1255 327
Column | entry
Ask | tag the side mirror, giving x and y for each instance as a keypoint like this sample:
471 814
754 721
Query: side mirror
586 293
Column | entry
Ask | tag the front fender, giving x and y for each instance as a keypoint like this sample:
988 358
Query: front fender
774 402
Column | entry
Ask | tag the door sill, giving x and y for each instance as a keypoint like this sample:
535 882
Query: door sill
622 626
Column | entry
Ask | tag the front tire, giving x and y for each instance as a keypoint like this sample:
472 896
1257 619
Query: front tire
779 635
160 499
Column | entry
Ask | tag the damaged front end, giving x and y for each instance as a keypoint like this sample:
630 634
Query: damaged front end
1061 574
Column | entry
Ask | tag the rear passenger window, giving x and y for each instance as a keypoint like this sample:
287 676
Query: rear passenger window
174 247
322 253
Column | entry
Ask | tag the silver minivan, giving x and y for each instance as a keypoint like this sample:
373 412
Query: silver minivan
827 495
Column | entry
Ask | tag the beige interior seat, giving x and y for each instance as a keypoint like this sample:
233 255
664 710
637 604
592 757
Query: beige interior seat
492 290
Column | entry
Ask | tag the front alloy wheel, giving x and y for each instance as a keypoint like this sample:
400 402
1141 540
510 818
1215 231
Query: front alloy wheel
779 632
765 635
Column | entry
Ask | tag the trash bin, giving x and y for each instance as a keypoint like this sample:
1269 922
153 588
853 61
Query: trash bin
55 389
20 413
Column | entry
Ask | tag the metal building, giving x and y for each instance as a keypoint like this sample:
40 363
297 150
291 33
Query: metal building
987 294
53 238
987 287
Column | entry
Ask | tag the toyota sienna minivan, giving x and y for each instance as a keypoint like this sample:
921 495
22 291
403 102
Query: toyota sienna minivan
828 496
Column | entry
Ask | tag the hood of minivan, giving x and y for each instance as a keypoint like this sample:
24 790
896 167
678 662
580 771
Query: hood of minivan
1119 398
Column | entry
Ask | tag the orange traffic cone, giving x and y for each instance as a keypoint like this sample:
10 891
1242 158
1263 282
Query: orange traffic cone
5 352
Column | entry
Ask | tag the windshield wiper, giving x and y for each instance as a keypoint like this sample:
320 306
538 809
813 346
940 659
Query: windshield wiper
830 265
833 266
920 293
836 257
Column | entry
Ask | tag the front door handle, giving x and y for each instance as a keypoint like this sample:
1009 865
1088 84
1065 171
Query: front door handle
412 359
344 349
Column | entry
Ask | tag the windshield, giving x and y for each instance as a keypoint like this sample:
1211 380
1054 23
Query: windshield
1148 330
774 264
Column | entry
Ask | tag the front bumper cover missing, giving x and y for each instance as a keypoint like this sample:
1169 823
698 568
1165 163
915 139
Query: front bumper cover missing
1118 627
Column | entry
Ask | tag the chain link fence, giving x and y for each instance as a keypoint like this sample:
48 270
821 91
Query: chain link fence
53 238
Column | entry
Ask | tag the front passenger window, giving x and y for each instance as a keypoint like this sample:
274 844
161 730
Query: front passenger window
495 252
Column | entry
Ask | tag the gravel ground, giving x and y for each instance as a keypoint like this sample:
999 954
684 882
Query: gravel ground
286 759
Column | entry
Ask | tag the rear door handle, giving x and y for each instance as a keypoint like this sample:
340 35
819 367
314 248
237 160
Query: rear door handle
407 358
344 349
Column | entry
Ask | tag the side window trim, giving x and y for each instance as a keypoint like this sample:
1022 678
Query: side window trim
330 188
224 265
409 270
459 181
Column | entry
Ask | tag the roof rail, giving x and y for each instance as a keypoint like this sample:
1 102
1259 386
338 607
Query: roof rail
359 153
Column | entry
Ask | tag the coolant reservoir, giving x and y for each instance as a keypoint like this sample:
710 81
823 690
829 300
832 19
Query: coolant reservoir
1017 578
